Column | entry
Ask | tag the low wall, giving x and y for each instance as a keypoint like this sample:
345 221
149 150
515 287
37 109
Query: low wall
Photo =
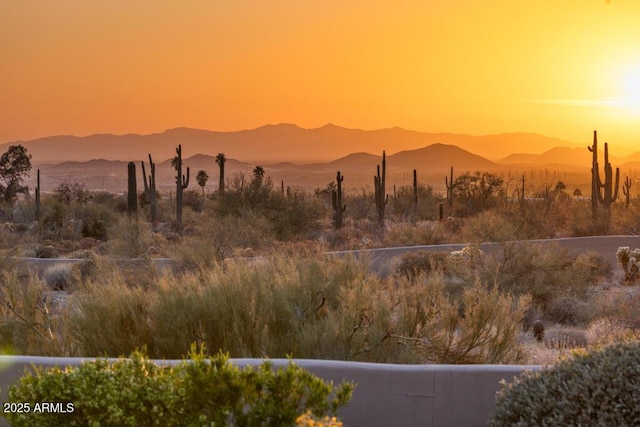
386 395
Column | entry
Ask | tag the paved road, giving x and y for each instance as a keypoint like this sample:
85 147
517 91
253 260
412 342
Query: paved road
381 258
604 245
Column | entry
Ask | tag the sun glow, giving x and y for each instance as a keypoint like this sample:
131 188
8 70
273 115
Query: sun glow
631 86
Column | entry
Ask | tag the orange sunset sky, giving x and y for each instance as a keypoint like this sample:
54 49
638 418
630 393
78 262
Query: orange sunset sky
560 68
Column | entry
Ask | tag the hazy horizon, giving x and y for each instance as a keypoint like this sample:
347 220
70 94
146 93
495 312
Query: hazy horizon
559 69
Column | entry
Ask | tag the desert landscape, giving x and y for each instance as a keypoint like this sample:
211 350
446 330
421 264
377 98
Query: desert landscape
281 213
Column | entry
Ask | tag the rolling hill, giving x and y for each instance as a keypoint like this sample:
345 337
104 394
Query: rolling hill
274 143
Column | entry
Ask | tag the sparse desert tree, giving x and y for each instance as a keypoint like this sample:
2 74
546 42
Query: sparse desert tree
15 166
75 192
258 174
202 177
477 192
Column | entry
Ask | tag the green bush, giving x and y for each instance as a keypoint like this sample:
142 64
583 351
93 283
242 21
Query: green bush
597 388
197 392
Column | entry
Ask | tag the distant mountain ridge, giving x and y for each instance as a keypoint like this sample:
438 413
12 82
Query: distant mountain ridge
276 143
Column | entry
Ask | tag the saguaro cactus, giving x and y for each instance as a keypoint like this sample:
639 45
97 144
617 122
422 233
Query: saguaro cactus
182 182
609 193
132 190
594 174
336 199
379 182
221 160
626 190
150 193
38 196
521 193
414 210
450 185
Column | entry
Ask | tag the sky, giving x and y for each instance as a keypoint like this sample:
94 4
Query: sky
559 68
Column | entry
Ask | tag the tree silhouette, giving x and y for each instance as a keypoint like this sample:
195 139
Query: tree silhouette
202 177
15 166
258 173
220 160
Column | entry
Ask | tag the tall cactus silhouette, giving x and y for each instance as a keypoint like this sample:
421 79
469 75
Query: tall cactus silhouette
379 182
38 196
221 159
609 193
450 186
132 190
626 190
150 193
521 193
594 173
182 182
414 210
336 199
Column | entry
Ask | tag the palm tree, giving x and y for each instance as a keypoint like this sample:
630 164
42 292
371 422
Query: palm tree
258 175
220 160
202 177
258 172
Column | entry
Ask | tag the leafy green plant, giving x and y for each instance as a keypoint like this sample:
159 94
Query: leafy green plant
590 388
196 392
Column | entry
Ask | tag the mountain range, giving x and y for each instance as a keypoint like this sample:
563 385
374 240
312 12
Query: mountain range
304 157
277 143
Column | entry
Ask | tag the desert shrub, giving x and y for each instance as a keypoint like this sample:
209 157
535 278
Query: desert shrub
292 215
474 193
68 193
538 330
53 218
130 237
545 272
303 306
360 206
220 238
355 234
58 276
296 214
108 317
604 331
481 328
402 203
422 233
96 220
45 250
591 388
414 264
570 311
621 309
28 324
200 391
193 199
562 337
489 226
531 316
254 308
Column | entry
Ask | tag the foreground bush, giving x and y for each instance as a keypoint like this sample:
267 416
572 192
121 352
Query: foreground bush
598 388
199 392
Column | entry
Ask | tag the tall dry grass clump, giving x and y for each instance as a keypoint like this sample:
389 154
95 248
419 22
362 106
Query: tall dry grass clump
29 321
108 317
305 306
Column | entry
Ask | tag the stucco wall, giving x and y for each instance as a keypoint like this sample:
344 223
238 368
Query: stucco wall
386 395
